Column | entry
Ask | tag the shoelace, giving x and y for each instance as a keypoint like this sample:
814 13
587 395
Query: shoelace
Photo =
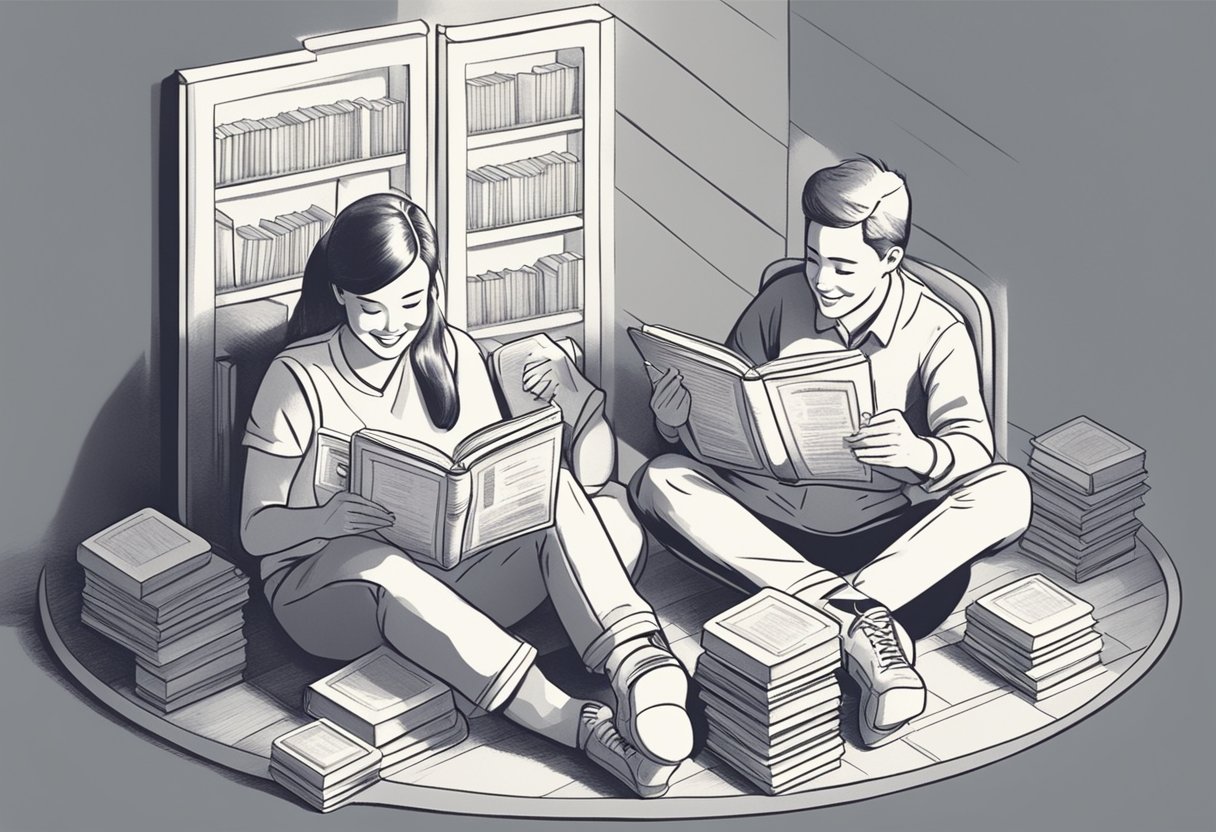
879 629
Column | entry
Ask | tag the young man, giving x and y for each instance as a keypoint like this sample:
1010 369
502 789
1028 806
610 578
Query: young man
856 551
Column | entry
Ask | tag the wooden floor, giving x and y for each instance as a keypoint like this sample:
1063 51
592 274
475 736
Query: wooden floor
969 708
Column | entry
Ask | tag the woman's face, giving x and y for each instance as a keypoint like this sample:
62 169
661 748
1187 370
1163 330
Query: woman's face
387 320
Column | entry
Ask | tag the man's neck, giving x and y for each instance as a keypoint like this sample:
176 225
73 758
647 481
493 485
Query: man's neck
853 323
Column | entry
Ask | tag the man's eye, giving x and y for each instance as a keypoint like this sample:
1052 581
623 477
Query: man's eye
842 271
413 305
370 311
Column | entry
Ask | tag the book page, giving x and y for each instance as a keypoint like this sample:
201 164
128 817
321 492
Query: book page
141 541
380 683
815 416
774 627
323 747
514 490
717 419
333 454
414 493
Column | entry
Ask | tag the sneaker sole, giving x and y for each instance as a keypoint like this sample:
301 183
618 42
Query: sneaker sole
896 700
652 712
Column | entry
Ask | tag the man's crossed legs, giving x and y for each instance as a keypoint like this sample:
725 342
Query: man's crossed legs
912 560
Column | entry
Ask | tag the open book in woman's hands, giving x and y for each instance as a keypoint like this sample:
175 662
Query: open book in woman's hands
786 418
499 483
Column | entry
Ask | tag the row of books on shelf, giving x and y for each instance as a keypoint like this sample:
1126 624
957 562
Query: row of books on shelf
249 255
553 284
529 189
500 100
308 138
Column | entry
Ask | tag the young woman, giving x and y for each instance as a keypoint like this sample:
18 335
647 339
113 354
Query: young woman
369 347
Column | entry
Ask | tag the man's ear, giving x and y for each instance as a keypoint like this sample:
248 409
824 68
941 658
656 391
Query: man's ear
338 294
892 259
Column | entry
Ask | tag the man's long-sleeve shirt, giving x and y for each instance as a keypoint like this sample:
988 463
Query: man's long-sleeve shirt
922 362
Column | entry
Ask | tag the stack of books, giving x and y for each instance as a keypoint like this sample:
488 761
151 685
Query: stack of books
1035 635
154 587
323 765
307 138
1087 483
529 189
391 704
501 100
249 255
554 284
772 703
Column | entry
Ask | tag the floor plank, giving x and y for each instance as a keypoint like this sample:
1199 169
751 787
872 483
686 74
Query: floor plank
993 722
1067 701
1137 625
954 676
230 715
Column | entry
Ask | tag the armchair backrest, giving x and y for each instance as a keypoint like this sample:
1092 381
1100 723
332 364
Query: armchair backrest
977 313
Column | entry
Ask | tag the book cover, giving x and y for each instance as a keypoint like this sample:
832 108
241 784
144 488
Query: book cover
1087 454
323 755
381 688
1034 606
768 635
143 552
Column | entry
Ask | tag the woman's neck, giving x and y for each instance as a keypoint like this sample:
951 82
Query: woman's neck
368 366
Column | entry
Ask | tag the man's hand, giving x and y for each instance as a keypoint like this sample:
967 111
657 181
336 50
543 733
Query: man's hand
886 441
671 400
349 514
551 376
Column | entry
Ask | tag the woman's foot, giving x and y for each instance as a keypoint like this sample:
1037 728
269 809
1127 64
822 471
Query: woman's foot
651 690
603 744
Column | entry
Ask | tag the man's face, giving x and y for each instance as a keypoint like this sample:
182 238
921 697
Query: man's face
842 270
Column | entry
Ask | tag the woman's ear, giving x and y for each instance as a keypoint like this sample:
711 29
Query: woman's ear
338 295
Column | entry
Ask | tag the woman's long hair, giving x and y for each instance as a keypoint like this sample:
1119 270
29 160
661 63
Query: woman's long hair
371 242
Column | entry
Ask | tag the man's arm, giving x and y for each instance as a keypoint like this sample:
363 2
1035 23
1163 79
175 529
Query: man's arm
959 430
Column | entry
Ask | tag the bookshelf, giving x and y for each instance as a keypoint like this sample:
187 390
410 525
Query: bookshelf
276 145
526 112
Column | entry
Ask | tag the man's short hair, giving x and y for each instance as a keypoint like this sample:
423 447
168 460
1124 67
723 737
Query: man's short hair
861 190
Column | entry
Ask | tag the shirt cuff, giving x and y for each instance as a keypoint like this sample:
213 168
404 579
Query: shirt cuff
943 464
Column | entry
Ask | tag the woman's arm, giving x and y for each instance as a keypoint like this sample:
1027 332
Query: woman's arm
269 526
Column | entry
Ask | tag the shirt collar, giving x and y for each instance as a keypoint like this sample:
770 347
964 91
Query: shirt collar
882 326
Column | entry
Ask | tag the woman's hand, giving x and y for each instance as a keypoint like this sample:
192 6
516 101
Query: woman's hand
349 514
550 376
670 401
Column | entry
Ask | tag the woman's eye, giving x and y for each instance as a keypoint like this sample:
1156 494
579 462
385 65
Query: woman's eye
413 305
842 271
368 311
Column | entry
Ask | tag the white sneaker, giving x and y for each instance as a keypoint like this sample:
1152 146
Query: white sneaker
605 746
892 692
651 690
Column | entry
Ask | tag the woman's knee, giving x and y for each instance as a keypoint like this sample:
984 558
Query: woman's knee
660 480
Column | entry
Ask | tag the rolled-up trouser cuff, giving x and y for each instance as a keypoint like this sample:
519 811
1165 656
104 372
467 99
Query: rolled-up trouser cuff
634 625
503 686
818 586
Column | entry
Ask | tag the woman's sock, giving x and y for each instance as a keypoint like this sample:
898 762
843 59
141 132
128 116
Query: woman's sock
543 707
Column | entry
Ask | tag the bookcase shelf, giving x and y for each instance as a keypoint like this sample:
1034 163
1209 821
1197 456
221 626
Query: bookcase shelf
228 336
524 230
527 326
550 65
287 181
285 286
524 133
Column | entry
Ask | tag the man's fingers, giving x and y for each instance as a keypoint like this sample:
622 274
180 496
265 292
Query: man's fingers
875 455
887 417
534 381
544 389
377 516
681 397
865 439
670 381
359 500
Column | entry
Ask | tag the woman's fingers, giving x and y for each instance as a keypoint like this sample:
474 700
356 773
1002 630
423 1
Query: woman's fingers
537 376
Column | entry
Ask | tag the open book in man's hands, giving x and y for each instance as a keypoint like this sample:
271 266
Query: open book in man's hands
788 417
499 483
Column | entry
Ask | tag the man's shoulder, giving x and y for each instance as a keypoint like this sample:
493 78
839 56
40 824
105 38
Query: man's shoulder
785 286
927 316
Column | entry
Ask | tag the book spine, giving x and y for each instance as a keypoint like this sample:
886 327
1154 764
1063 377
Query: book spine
765 434
458 519
735 658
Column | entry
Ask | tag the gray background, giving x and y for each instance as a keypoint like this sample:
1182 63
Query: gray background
1064 148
